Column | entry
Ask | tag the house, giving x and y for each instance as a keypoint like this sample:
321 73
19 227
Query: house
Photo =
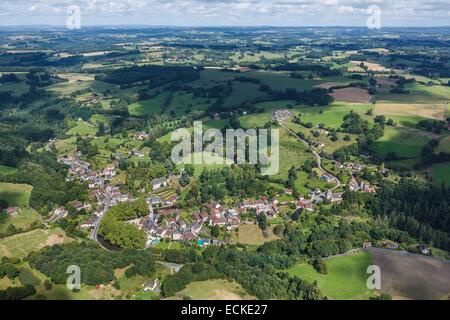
177 236
159 183
196 228
424 250
12 211
150 286
327 178
167 212
188 236
90 223
305 205
60 213
217 221
171 200
367 245
154 201
392 245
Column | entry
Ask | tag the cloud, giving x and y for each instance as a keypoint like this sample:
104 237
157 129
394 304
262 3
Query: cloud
226 12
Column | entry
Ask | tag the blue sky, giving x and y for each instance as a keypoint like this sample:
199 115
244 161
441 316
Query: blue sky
227 12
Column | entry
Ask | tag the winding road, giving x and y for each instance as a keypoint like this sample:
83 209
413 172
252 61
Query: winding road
94 232
316 154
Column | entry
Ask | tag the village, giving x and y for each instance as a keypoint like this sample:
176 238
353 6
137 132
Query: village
165 221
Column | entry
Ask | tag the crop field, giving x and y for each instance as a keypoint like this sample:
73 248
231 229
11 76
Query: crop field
20 245
412 112
215 290
15 194
412 276
346 278
352 95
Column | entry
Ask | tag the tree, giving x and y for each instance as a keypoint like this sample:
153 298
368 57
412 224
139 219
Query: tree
262 221
215 231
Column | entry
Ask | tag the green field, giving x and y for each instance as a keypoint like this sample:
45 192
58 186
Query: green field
27 277
255 120
418 93
15 194
7 170
22 220
83 128
332 116
20 245
444 145
215 290
406 143
292 153
345 280
61 292
441 174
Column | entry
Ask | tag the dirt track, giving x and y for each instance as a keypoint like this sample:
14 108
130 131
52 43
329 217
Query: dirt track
412 276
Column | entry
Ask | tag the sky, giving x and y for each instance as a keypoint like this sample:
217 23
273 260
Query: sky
405 13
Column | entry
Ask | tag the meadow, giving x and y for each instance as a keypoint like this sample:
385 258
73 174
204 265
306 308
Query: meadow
251 234
441 174
23 220
418 93
15 194
331 116
406 143
20 245
215 290
345 280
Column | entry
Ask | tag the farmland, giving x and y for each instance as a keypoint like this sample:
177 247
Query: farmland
412 276
21 245
15 194
215 290
346 278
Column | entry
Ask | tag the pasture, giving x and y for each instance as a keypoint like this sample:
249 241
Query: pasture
251 234
331 116
7 170
20 245
292 153
15 194
23 220
406 143
82 128
215 290
418 93
345 280
441 174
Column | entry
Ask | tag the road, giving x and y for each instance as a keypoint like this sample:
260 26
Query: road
94 232
316 154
